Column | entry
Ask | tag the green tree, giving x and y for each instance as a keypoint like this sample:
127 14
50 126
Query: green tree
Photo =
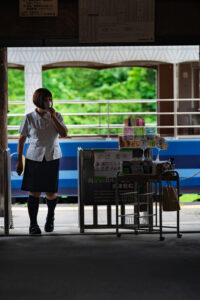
108 84
15 85
88 84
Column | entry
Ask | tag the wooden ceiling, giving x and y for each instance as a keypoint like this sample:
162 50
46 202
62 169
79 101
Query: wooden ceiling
177 22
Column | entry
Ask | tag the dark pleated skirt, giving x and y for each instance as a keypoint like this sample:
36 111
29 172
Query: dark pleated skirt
41 176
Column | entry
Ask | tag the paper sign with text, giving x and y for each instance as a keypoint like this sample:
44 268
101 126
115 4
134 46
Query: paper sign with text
38 8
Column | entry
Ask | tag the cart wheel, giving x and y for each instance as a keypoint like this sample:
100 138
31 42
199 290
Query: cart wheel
119 235
179 235
162 238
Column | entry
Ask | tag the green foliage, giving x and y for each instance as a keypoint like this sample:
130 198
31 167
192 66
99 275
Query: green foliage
189 198
15 85
16 92
108 84
88 84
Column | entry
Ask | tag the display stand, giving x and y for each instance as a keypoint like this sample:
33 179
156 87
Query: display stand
98 191
143 192
152 200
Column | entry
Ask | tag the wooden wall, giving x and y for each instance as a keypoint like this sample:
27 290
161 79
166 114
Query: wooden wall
17 31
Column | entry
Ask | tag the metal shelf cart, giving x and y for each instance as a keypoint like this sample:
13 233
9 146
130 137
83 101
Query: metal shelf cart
151 221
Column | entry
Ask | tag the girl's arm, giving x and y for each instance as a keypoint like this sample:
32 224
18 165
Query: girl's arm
20 149
62 130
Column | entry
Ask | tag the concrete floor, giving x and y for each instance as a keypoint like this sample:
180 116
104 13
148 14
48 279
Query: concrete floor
99 267
66 218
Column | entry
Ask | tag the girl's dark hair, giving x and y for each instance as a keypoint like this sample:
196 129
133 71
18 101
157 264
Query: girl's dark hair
39 97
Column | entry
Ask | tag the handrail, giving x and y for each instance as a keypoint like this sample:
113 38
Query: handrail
120 113
113 126
108 113
114 101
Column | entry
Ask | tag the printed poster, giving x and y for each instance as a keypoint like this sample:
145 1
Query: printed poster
102 21
38 8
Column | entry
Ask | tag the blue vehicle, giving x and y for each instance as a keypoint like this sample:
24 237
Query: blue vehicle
186 156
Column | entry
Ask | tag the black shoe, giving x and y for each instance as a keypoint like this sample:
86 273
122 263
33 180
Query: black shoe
34 229
49 226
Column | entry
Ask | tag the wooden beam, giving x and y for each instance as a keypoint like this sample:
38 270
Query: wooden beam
3 118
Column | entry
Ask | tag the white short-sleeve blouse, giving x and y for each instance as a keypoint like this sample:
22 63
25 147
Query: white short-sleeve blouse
42 136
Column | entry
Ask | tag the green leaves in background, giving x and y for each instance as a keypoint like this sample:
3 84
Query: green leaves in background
16 88
89 84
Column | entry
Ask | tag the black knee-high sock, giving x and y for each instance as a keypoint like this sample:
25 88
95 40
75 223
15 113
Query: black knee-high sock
33 205
51 204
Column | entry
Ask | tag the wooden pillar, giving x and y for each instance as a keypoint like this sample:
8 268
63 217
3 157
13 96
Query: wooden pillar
185 91
165 91
196 86
3 118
